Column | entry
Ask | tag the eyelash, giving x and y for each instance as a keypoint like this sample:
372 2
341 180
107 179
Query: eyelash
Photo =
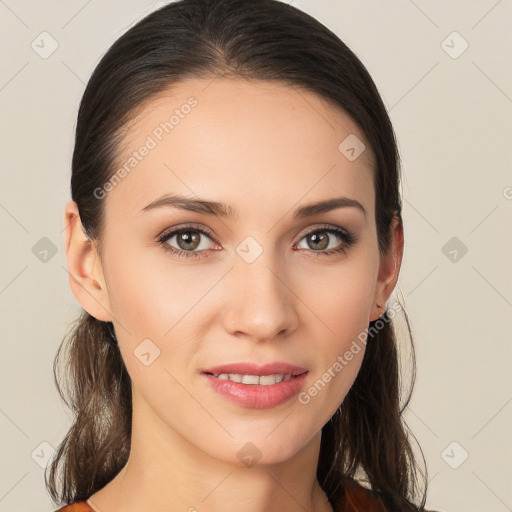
348 240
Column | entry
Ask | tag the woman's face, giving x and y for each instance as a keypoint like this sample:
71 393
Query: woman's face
251 286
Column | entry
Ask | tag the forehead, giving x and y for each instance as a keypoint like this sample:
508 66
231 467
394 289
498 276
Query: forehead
254 142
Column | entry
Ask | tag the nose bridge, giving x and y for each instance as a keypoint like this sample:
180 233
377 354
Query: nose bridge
260 303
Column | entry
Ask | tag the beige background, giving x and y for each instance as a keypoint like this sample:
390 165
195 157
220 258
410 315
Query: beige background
452 112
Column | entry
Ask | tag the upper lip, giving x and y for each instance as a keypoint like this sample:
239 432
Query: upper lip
247 368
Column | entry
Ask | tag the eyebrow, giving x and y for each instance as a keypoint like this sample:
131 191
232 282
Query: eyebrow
225 211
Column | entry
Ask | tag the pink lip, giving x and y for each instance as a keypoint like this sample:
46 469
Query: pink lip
256 396
254 369
253 395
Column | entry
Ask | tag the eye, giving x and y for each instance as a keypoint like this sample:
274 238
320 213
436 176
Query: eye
190 244
321 238
188 240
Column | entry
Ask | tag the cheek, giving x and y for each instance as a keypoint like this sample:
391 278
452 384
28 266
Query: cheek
342 299
339 354
343 305
158 300
149 292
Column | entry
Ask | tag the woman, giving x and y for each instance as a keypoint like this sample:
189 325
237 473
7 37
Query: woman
234 237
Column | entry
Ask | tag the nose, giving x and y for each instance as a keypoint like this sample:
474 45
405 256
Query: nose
261 304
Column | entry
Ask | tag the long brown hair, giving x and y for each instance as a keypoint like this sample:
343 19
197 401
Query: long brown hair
367 438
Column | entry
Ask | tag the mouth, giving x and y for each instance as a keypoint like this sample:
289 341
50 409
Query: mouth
250 385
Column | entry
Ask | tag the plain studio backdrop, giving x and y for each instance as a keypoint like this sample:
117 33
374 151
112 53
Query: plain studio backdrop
443 70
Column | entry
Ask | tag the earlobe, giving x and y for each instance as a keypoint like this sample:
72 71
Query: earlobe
389 268
85 271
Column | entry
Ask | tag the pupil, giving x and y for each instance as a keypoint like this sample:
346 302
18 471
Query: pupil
320 238
188 237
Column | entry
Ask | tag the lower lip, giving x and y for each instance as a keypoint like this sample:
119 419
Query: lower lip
255 395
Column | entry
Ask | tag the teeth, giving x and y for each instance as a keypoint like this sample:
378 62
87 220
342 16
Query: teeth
262 380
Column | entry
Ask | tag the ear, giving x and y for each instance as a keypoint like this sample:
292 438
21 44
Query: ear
389 268
85 270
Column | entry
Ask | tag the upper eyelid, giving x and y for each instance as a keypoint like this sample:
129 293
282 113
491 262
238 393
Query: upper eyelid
191 227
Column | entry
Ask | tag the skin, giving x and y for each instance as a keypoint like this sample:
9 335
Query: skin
248 144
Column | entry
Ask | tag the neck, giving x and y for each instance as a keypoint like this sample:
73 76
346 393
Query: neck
165 473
